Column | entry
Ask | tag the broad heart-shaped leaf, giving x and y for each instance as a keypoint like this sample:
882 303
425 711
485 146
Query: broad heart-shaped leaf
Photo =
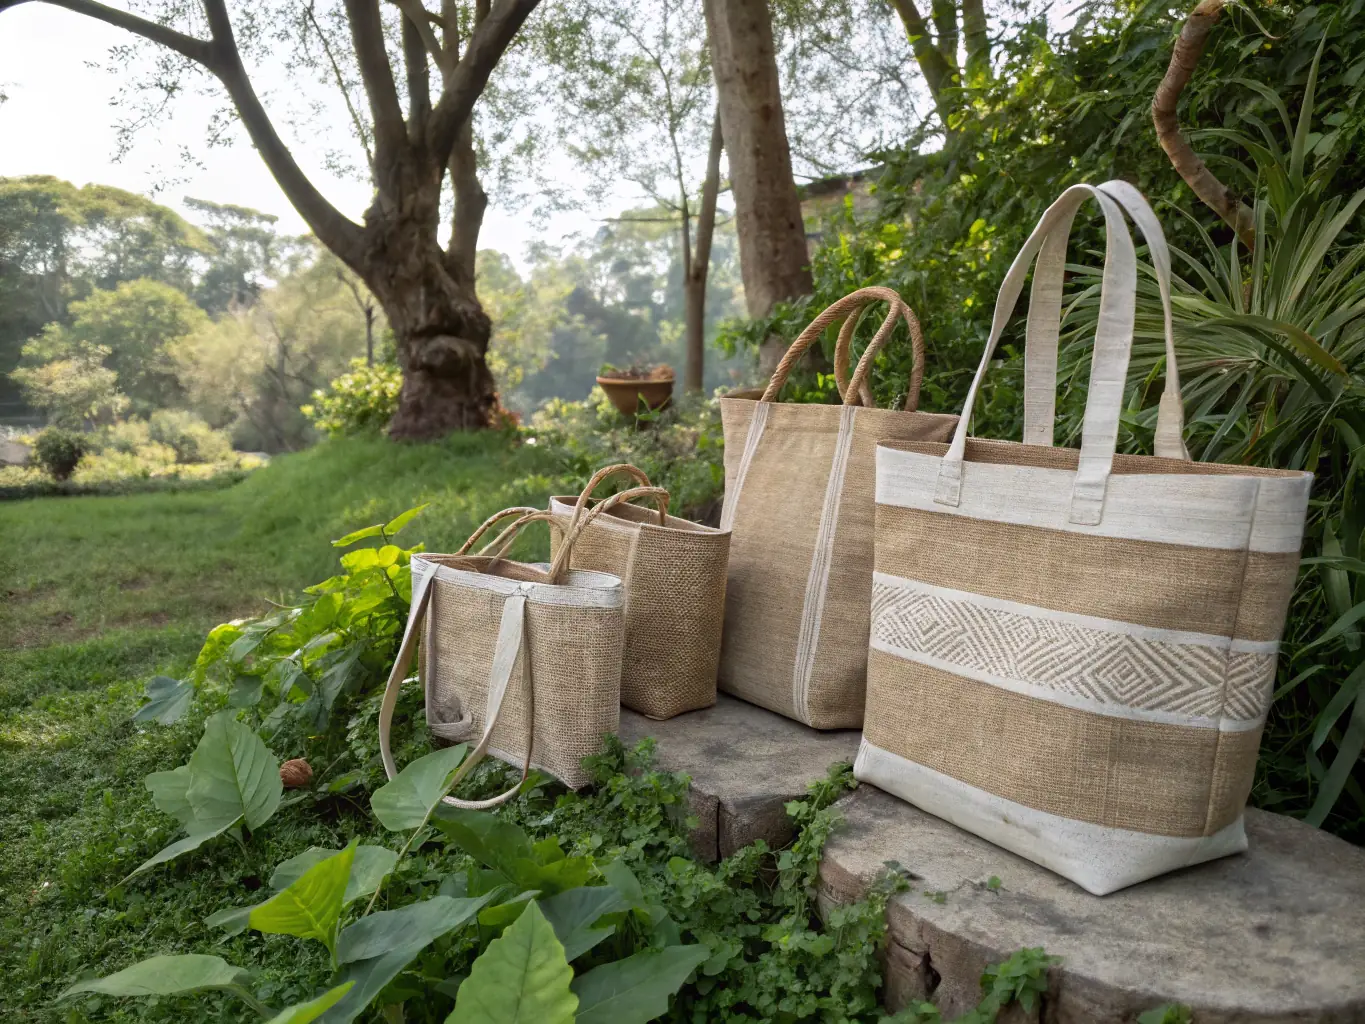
368 869
410 927
165 976
191 842
167 700
303 1013
573 914
521 978
170 793
405 801
233 775
637 989
311 907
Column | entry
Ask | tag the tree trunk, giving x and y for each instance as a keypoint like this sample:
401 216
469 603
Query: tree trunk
697 268
774 260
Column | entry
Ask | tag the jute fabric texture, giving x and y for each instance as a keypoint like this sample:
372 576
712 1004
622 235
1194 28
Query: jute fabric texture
798 503
1072 653
525 657
673 574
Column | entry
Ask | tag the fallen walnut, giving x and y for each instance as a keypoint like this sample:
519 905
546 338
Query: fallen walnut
296 773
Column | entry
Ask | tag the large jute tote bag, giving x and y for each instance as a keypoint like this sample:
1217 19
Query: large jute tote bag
673 572
524 657
1073 652
798 503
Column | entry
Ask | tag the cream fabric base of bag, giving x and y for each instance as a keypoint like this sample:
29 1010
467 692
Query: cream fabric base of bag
798 503
673 572
1073 652
525 657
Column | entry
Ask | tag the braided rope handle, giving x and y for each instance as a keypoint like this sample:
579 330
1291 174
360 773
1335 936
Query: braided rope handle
853 390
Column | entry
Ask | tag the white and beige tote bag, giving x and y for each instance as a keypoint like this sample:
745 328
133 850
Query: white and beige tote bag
525 658
1073 652
798 503
673 574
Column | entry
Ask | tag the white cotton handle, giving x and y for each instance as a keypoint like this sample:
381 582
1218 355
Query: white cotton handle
510 641
1109 367
1044 325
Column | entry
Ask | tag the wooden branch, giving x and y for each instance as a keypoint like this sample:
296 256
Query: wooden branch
197 50
367 36
487 43
1184 57
938 73
362 132
974 28
333 229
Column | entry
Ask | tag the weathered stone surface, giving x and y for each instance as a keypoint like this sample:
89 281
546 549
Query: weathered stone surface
1276 934
745 763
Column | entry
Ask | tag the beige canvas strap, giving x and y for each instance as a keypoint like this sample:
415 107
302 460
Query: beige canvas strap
1109 365
1044 323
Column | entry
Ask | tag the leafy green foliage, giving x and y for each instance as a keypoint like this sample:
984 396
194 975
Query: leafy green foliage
363 398
59 451
522 978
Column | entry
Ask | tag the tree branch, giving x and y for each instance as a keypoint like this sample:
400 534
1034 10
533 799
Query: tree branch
937 72
332 228
974 27
197 50
1184 57
367 36
487 43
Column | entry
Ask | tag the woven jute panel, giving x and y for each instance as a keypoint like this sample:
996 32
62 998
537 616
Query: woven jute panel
674 580
574 666
1143 776
776 519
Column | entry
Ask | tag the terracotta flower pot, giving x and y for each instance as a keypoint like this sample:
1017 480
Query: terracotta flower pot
626 393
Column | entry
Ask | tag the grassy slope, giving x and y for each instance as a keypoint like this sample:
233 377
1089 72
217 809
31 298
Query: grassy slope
97 594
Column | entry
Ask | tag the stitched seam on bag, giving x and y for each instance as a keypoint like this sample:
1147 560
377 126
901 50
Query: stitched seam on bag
757 423
817 582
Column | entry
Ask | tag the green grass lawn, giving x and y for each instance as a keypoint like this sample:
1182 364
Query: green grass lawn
99 593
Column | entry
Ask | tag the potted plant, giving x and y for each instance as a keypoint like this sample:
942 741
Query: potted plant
629 386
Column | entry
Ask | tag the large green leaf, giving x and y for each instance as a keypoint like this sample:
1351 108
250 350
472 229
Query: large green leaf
165 976
191 842
406 800
233 775
303 1013
167 700
407 928
521 978
170 793
310 907
371 865
574 915
637 989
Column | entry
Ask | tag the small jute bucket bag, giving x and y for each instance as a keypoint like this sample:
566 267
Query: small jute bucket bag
525 657
673 572
1073 652
798 505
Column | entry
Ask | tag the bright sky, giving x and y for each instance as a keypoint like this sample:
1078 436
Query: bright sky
59 120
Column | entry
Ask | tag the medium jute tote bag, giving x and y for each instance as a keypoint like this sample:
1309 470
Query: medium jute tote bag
1073 652
798 504
673 572
527 658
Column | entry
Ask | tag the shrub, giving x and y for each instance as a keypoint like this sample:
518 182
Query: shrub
363 399
59 451
192 439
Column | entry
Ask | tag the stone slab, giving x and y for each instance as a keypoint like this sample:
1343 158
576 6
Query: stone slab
1276 934
745 763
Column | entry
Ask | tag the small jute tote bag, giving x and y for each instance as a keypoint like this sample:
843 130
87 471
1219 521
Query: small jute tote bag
525 657
798 504
673 572
1073 652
